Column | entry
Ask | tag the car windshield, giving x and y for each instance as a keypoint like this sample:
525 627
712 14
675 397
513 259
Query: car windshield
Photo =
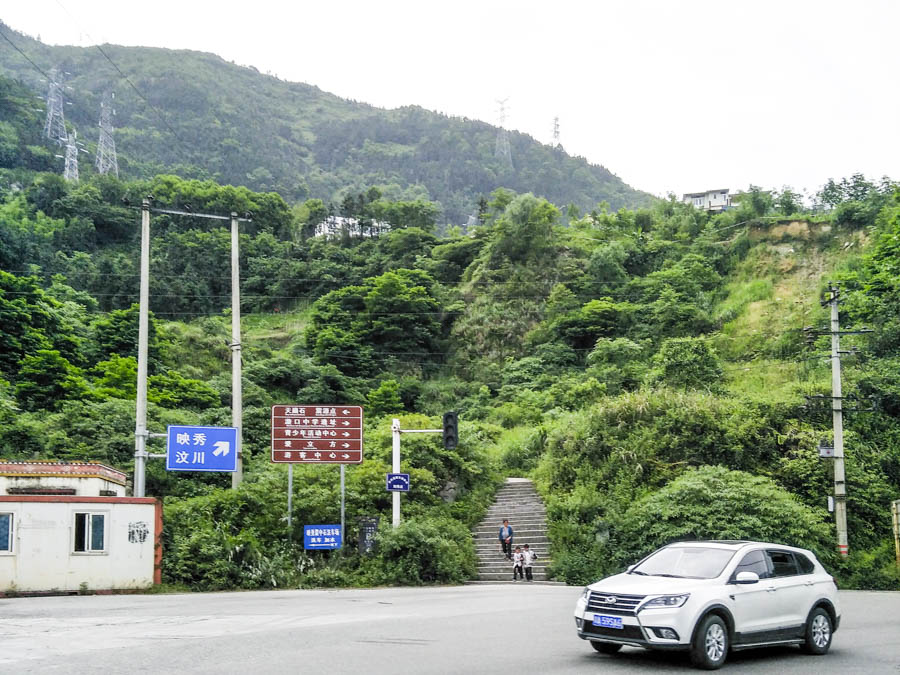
690 562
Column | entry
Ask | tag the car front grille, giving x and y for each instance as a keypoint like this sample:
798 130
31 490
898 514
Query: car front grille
614 603
626 632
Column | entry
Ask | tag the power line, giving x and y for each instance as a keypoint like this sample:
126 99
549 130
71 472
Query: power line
25 56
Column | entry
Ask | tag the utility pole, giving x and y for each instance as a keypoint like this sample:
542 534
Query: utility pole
837 416
140 427
140 432
236 394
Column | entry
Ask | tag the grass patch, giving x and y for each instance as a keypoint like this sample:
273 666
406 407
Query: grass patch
274 329
767 379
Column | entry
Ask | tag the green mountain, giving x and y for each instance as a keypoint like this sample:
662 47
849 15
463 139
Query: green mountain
200 116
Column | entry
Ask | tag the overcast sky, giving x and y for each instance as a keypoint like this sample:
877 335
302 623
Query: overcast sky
670 96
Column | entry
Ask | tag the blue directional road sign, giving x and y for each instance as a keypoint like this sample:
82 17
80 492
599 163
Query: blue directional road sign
317 537
201 449
398 482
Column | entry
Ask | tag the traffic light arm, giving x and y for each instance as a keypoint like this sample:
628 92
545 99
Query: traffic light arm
450 417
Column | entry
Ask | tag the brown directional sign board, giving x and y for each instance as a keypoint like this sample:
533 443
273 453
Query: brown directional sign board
317 434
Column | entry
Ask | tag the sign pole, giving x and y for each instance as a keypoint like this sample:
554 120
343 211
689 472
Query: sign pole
290 499
140 426
395 433
895 514
342 498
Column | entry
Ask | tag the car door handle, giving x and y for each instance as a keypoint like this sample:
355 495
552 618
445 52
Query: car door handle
771 589
808 583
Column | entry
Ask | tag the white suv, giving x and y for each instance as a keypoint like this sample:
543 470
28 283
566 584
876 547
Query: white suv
708 597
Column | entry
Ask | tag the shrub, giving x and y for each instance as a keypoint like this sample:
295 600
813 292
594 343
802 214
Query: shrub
713 502
424 550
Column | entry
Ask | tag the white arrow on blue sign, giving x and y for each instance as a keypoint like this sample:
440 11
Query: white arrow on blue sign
190 448
398 482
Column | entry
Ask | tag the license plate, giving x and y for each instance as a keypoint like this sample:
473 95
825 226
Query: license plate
608 621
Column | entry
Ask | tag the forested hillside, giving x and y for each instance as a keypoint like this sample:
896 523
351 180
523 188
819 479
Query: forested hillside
199 116
648 367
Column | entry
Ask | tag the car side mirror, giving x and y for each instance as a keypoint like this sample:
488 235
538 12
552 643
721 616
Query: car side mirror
746 578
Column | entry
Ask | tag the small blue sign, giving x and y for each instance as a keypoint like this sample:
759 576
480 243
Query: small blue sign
318 537
201 449
398 482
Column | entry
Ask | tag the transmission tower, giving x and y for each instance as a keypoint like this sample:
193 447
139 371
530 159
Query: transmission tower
106 161
71 171
556 143
501 150
55 124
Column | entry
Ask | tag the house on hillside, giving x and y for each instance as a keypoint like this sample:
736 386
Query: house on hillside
711 200
68 526
335 226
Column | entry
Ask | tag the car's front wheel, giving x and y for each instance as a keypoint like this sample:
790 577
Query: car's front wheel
818 632
710 645
606 647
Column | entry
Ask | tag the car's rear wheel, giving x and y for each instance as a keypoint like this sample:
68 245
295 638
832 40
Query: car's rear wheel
710 645
818 632
606 647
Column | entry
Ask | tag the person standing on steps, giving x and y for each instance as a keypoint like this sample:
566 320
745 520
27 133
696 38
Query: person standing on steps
529 556
518 561
506 538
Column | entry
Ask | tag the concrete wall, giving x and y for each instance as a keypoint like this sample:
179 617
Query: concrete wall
43 555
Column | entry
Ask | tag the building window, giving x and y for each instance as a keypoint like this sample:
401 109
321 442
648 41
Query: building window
6 532
90 532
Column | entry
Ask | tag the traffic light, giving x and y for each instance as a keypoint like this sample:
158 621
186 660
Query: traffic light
451 430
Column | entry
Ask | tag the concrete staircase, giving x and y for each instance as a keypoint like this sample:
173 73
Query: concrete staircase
518 502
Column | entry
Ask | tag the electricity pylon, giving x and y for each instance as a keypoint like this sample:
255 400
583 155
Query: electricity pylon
501 149
106 161
71 171
55 123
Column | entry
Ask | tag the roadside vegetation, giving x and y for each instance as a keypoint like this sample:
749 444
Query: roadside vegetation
648 368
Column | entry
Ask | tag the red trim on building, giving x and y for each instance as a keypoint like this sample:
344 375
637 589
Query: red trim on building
61 499
38 469
157 562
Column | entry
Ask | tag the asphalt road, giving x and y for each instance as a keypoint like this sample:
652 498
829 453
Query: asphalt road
521 629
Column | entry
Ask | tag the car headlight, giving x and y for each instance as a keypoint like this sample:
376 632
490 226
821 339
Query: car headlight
586 593
666 601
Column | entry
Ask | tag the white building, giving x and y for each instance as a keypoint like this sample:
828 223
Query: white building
69 527
711 200
335 226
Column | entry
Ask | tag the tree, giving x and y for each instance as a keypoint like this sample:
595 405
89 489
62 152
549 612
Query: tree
30 321
688 362
788 201
46 379
760 201
117 333
385 399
